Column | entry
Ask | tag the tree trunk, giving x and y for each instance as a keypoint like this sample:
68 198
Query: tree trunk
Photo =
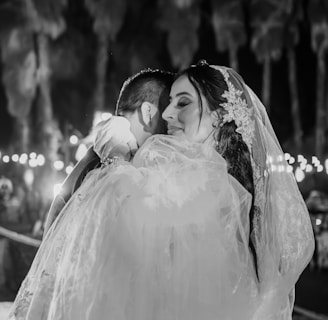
295 108
320 109
49 132
101 68
233 58
48 127
266 83
21 135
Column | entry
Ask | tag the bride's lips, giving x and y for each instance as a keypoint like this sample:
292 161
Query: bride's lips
171 130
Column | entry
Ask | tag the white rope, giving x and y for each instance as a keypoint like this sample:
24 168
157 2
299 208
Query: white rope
19 237
310 314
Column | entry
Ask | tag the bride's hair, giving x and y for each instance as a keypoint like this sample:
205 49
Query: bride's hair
211 84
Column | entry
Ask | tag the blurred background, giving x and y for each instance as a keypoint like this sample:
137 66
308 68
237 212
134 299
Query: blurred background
63 63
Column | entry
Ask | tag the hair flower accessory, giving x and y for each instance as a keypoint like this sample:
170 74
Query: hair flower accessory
237 111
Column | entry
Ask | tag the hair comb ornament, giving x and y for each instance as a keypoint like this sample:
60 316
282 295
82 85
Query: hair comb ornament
237 110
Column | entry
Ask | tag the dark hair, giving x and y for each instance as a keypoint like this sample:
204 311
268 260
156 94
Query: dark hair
148 85
211 84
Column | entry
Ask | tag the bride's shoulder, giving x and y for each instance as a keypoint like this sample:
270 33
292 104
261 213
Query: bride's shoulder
162 142
166 148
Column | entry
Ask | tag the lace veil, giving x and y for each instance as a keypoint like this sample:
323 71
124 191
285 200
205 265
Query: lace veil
282 234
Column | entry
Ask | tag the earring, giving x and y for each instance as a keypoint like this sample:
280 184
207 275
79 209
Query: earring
216 123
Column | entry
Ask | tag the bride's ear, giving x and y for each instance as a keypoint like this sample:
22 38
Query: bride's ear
148 111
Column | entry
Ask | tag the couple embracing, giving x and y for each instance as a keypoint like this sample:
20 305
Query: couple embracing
192 224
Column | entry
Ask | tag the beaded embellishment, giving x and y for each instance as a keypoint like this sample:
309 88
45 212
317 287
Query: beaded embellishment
110 160
237 111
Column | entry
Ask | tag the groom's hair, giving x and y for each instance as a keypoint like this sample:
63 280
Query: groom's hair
147 85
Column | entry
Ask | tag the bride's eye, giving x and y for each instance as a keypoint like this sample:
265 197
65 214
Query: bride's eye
183 102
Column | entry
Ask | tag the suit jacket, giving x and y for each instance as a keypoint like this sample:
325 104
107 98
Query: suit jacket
72 182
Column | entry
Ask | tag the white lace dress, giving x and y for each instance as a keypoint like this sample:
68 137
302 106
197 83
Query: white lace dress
163 238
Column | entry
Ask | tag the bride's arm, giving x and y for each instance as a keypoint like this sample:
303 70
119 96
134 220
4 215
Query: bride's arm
70 184
113 140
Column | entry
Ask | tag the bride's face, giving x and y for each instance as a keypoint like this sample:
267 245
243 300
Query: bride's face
183 114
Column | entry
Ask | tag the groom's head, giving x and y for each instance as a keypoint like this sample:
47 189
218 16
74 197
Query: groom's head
142 100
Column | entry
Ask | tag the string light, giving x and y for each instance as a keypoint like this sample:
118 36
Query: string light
303 165
289 169
280 158
73 139
299 174
23 158
29 177
69 169
33 163
326 165
308 168
5 159
276 165
40 160
281 168
291 160
59 165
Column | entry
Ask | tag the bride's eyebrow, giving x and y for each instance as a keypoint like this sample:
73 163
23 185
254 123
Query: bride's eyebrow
183 93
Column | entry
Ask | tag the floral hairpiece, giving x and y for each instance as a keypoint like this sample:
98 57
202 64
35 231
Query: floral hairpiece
237 111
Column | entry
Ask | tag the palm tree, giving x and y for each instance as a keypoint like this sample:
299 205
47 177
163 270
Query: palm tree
266 18
317 11
294 14
228 23
108 18
18 76
19 67
180 19
46 21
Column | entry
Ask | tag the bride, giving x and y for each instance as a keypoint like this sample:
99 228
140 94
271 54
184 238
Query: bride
199 225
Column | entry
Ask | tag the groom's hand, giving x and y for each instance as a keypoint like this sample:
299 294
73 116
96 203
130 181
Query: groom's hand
114 139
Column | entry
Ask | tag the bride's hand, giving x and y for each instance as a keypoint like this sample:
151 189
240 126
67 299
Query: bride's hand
114 139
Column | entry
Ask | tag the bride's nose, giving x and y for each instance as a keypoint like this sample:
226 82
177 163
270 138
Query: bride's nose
168 113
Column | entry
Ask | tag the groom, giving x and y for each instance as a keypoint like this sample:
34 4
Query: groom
143 98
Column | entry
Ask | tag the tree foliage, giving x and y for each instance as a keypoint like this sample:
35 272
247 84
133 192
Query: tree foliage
108 15
46 16
19 71
229 27
318 14
132 35
267 21
180 19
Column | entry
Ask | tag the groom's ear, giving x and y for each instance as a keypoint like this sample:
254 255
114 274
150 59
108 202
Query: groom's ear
148 111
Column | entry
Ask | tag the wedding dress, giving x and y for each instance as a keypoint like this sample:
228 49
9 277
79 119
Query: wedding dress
166 237
163 238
